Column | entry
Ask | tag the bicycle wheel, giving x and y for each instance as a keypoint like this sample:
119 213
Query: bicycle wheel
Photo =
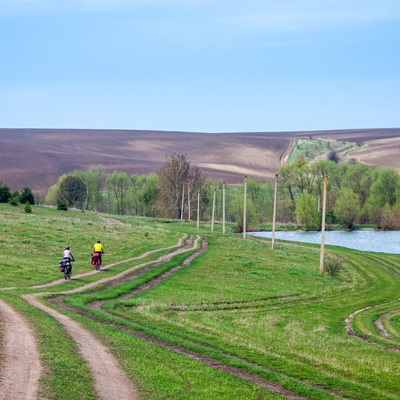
67 273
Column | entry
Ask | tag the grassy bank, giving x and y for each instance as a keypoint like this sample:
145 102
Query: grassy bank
239 303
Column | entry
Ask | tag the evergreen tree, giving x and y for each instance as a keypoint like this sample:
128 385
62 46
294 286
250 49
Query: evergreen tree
27 196
5 193
28 208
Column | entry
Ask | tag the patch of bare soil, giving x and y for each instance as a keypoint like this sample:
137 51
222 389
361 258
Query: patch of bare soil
283 160
111 221
379 326
21 368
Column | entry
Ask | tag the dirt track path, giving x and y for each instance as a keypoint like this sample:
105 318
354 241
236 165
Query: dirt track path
283 159
110 381
93 271
378 323
21 369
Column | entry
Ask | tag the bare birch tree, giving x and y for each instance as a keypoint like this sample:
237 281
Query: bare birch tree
173 176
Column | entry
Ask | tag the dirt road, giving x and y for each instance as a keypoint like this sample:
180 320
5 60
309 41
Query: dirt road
21 368
110 381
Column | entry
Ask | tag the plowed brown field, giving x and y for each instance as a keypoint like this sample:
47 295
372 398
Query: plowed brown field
37 157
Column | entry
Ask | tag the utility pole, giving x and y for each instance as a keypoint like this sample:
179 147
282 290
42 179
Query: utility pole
244 207
223 208
321 259
183 198
198 208
213 210
274 213
188 201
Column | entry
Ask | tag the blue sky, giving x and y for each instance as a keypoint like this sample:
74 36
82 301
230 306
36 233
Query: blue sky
201 66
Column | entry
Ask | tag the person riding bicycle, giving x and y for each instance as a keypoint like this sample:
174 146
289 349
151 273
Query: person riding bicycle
68 256
99 249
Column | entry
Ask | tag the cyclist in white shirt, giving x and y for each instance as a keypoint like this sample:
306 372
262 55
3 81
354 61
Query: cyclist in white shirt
67 254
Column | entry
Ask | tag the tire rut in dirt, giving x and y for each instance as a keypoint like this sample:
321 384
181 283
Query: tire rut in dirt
21 368
349 320
110 381
212 362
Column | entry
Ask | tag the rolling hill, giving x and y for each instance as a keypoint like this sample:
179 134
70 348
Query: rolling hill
37 157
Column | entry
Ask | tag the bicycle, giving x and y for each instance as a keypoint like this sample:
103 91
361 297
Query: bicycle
96 261
65 268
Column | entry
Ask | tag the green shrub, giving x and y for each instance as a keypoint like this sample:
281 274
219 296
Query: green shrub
27 196
14 199
5 193
62 204
332 265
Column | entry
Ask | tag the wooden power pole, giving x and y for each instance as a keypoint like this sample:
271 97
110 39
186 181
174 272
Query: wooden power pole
321 259
223 208
198 209
244 207
188 201
183 200
213 210
274 212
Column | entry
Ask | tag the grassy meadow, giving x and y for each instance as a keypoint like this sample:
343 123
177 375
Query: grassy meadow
239 306
312 149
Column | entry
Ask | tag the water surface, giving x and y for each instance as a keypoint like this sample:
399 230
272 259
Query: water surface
366 240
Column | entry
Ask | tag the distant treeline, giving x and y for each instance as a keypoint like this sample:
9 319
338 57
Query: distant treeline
24 197
177 191
356 194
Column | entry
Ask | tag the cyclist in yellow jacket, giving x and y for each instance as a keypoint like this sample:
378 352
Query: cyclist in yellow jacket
98 248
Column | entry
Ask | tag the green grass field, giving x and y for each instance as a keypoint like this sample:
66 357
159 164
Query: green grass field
237 311
312 149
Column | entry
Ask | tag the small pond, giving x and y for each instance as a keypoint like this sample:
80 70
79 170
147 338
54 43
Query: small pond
364 239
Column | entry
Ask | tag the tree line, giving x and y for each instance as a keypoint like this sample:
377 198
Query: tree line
356 194
152 195
24 197
178 190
